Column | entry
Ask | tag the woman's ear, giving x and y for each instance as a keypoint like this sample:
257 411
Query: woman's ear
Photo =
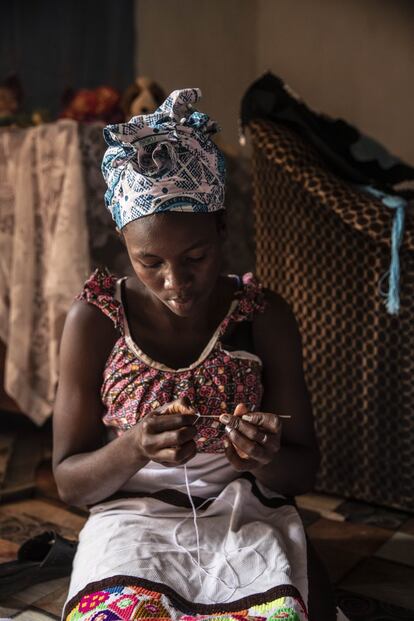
120 235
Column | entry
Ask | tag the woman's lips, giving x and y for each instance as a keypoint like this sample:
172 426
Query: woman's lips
183 304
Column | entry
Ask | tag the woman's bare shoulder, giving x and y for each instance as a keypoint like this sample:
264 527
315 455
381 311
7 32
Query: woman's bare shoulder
276 334
277 315
87 340
88 337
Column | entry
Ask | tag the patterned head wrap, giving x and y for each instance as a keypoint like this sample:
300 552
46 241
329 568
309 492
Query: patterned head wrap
165 161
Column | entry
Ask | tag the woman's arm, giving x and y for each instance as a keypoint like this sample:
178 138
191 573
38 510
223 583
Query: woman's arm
282 453
87 469
277 340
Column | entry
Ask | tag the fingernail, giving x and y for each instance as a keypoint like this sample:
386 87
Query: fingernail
224 418
228 428
226 442
247 417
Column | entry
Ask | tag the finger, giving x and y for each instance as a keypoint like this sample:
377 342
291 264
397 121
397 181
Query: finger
174 456
179 406
236 461
241 453
266 420
252 449
253 432
186 403
185 452
166 422
241 408
178 437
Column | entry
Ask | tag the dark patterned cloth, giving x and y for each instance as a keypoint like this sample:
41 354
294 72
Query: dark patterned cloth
323 245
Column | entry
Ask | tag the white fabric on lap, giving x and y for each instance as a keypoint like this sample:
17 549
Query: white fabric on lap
265 546
208 473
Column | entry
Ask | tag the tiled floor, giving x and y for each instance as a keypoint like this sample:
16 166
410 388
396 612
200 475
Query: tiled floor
369 551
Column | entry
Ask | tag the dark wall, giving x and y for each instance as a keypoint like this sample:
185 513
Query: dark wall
55 44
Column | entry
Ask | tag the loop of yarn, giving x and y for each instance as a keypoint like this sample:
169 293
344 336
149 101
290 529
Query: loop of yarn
224 555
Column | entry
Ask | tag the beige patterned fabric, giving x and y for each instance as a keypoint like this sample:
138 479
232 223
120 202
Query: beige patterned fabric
325 246
44 255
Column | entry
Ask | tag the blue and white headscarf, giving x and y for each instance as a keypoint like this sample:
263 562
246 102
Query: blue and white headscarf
165 161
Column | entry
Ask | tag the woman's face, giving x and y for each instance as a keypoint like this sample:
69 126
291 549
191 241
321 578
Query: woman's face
177 256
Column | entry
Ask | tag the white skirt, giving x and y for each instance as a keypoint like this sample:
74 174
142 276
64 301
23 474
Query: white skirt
246 554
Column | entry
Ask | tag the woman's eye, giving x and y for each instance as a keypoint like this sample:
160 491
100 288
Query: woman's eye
149 267
200 258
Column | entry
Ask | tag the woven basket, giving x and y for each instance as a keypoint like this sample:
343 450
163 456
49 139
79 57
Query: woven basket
324 246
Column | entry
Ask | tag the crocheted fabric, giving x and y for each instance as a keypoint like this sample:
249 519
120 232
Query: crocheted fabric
134 384
124 603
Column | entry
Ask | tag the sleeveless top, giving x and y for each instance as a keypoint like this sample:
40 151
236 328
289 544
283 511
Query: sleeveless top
134 385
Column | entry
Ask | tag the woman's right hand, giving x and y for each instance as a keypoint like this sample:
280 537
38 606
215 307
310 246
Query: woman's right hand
166 436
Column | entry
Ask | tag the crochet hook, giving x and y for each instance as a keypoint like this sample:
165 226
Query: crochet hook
218 415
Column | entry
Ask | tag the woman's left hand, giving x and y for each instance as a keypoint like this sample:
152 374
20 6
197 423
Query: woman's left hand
253 442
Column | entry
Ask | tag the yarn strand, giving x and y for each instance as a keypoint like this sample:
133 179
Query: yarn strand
236 585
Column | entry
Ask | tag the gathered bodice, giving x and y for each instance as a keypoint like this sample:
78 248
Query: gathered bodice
134 384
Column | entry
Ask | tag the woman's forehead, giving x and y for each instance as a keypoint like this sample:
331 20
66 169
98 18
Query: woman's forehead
170 231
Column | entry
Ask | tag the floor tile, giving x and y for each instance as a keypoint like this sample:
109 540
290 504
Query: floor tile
342 546
339 561
408 526
20 528
363 513
362 539
24 519
319 502
42 590
54 601
27 453
11 606
33 615
382 580
399 548
361 608
8 550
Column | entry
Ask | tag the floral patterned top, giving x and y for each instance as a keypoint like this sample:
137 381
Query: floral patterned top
134 384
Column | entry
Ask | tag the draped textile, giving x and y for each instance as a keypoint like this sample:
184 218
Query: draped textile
44 255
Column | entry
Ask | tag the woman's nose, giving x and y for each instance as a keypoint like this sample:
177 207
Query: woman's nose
177 280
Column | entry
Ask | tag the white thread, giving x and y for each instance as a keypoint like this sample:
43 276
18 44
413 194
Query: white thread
234 586
195 521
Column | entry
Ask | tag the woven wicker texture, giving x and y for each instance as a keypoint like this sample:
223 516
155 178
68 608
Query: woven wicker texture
324 246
